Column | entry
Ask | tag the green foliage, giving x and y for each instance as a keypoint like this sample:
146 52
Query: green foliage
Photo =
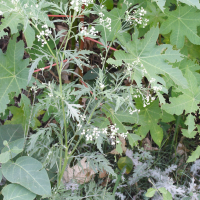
125 161
18 193
187 101
14 72
182 22
150 86
148 56
28 172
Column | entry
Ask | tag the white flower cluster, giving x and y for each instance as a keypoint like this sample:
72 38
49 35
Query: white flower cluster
87 32
92 136
34 88
77 4
102 86
131 111
145 98
94 133
157 88
45 34
137 65
113 134
136 17
105 22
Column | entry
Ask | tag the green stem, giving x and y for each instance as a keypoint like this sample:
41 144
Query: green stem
59 70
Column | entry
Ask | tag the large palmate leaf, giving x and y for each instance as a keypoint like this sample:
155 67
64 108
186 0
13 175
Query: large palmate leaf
14 71
28 172
17 192
182 22
10 133
188 100
152 57
148 119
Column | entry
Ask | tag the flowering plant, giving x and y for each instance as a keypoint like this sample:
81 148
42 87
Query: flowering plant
121 99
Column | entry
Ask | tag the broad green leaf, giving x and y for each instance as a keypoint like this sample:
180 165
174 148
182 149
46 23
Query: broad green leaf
191 3
15 147
17 192
125 161
166 117
5 157
152 57
10 133
182 22
148 119
166 194
133 138
11 20
187 101
192 51
150 192
29 173
108 3
195 155
29 34
161 4
14 71
21 115
188 134
154 15
101 122
191 65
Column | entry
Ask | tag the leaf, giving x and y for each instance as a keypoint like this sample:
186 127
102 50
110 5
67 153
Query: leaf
195 155
29 173
153 58
11 20
15 147
29 34
108 3
5 157
116 15
15 17
148 119
188 134
154 15
150 192
187 101
18 193
166 194
133 138
10 133
161 4
125 161
182 22
101 122
14 71
191 3
118 117
22 114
